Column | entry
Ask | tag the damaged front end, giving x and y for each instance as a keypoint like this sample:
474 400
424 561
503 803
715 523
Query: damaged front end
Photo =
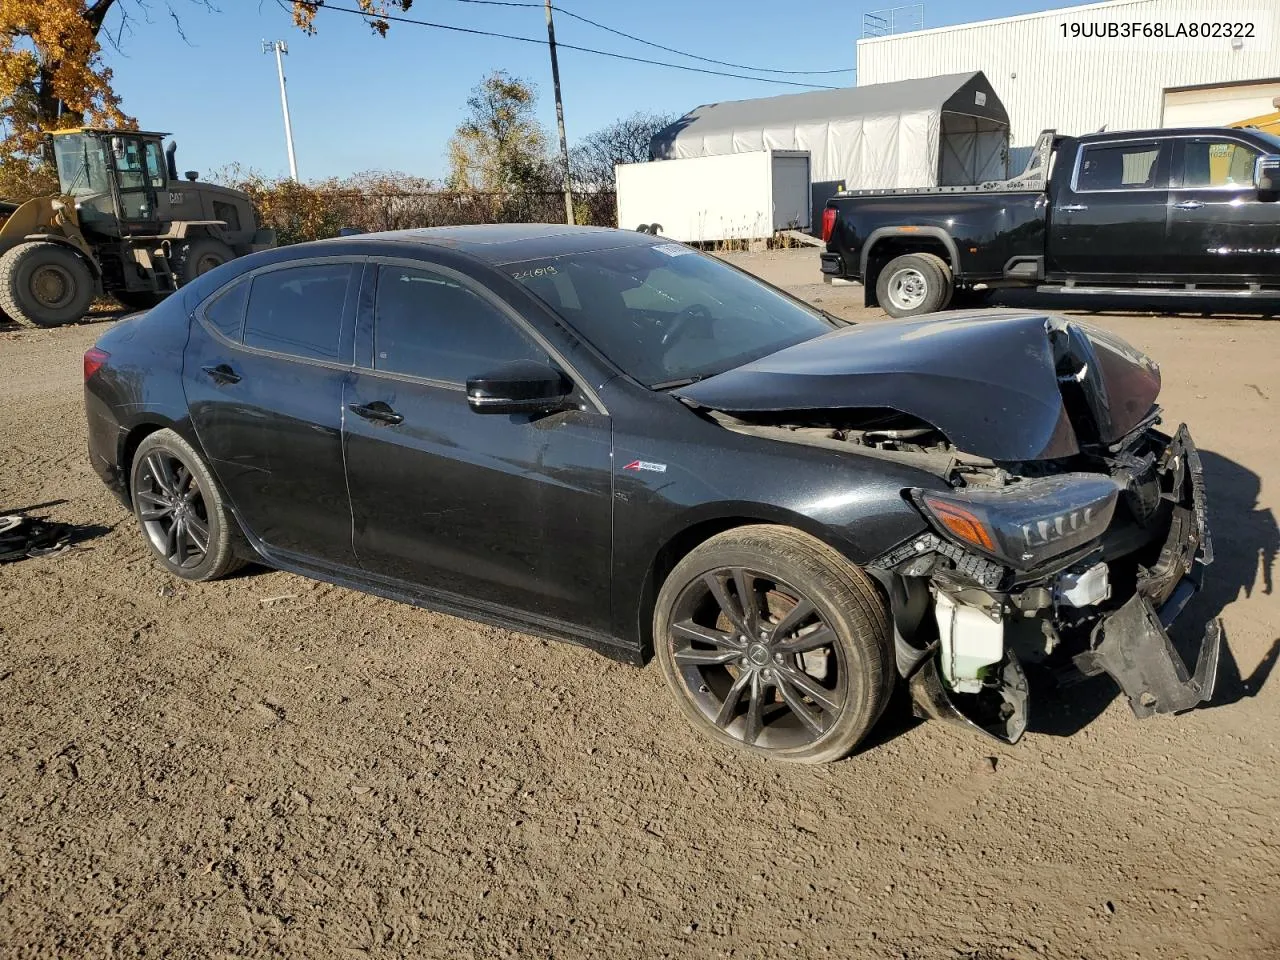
1074 568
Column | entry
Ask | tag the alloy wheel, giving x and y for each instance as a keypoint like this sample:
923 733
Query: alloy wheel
172 509
757 658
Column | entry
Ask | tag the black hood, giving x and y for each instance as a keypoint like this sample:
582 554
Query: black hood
1006 385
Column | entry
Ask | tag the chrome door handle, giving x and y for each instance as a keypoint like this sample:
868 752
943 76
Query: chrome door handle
1189 205
378 412
1072 208
222 373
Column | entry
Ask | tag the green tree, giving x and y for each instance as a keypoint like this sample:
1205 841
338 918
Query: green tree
500 147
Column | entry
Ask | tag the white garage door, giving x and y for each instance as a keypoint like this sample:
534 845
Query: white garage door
1219 106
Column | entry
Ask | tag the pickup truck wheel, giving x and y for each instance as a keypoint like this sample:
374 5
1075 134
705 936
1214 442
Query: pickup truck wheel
912 284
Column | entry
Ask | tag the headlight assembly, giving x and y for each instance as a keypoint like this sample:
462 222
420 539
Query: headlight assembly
1026 523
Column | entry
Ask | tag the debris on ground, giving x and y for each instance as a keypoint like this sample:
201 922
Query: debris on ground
22 537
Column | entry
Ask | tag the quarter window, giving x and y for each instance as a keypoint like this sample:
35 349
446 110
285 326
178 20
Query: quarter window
429 325
1208 163
226 312
298 310
1124 166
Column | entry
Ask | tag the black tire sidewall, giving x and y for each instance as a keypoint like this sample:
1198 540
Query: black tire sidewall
19 263
218 559
815 573
198 248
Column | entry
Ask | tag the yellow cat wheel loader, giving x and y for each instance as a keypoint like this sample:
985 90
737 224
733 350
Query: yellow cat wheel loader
123 224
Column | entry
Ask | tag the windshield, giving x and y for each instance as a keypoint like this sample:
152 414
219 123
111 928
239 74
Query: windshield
1271 139
82 165
665 314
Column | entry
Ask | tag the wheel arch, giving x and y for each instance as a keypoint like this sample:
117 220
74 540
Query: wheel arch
693 531
132 436
886 243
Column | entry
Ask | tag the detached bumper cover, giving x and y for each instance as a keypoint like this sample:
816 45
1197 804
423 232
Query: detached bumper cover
1131 644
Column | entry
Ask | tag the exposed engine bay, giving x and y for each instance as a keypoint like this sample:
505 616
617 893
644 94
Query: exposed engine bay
1075 554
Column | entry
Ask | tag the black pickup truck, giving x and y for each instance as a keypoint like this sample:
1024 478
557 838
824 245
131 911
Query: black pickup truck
1186 212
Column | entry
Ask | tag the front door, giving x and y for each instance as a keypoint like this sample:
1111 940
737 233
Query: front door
507 511
1110 219
141 176
264 371
1219 229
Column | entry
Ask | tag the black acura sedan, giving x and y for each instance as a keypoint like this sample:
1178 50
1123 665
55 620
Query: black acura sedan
607 438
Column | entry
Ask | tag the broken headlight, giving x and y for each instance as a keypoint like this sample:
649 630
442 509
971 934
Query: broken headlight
1028 522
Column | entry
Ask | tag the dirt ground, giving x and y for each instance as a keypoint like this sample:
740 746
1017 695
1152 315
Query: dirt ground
269 766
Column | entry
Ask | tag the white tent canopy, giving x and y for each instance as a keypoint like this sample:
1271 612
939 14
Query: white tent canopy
937 131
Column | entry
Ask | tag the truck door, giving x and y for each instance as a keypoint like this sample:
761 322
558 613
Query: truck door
140 176
1108 219
1219 229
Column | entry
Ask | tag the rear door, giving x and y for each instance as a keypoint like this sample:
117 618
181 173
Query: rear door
509 511
264 372
1109 219
1219 230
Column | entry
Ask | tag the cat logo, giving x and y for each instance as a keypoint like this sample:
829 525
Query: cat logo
176 197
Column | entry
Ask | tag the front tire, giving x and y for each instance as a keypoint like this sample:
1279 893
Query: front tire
799 672
184 519
44 284
913 284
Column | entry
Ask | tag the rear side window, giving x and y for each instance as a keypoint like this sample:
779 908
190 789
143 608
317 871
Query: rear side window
1123 166
429 325
298 310
226 313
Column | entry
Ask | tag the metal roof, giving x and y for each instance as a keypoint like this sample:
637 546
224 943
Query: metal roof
937 94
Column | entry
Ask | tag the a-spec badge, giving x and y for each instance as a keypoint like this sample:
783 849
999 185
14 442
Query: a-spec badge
637 465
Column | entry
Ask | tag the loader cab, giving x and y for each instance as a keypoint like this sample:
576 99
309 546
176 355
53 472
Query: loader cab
118 178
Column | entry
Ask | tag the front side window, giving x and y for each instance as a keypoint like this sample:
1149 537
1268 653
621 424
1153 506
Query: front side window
298 310
1122 166
1209 163
429 325
664 313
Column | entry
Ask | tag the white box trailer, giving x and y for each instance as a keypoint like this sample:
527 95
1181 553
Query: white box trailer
737 196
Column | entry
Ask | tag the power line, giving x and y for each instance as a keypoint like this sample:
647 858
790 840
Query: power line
692 56
318 5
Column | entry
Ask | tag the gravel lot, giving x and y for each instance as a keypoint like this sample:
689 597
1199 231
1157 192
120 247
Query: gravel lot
269 766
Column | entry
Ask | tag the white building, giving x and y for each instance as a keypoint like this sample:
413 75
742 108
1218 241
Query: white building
1051 70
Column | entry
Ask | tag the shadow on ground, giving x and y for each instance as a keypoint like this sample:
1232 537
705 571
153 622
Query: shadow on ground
1246 541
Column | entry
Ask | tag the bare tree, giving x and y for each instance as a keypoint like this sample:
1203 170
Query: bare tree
623 141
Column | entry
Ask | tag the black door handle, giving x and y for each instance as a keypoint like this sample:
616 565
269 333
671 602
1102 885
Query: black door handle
377 411
222 374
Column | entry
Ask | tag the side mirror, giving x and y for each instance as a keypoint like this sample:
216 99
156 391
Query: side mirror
525 386
1266 174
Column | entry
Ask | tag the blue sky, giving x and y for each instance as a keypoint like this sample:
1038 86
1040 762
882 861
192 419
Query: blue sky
360 102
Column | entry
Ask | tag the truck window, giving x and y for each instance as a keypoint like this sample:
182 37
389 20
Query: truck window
1222 163
1121 166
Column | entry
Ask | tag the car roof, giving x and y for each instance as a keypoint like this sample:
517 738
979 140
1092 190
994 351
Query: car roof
504 243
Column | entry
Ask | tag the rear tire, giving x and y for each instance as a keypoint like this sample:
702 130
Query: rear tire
44 284
913 284
804 678
201 255
185 522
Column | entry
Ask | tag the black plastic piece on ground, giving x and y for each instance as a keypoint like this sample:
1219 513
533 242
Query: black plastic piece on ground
22 537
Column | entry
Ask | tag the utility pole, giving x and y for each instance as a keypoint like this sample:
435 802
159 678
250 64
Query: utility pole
279 47
564 142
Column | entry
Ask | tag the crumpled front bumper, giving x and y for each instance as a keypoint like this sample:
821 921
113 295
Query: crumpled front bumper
1131 644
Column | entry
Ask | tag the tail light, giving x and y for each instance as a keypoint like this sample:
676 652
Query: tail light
93 359
828 223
